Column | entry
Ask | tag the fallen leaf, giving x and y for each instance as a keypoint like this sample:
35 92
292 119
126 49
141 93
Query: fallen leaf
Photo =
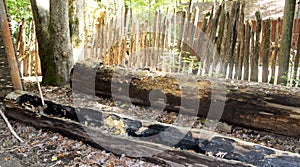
54 158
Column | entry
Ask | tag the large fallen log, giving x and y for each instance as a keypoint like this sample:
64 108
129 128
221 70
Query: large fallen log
156 153
253 105
231 152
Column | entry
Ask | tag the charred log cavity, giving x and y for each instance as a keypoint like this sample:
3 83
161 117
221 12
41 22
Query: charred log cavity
167 135
50 108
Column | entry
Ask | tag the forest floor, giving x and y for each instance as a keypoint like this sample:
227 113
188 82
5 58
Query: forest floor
45 148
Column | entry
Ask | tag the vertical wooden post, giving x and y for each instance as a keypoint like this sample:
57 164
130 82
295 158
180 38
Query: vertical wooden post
274 57
154 55
234 16
285 45
181 38
9 49
240 43
220 38
85 32
266 50
213 34
255 55
246 54
20 46
297 57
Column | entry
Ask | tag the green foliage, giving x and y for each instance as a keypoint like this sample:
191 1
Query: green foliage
149 7
19 9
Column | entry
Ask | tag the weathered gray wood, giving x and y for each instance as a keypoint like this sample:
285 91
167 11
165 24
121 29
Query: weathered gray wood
266 50
246 104
220 36
234 16
275 51
246 55
255 54
241 41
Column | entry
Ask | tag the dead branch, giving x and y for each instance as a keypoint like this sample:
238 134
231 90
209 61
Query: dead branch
9 125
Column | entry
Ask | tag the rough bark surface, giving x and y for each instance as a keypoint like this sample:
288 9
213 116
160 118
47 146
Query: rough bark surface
285 47
258 106
60 40
40 9
76 21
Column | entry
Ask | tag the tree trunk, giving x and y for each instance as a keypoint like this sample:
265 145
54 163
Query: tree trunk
76 21
285 47
9 48
40 10
259 107
60 44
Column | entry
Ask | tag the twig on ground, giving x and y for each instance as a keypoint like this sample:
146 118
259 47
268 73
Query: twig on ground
9 125
40 90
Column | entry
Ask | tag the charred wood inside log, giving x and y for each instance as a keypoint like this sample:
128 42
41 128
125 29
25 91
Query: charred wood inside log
50 108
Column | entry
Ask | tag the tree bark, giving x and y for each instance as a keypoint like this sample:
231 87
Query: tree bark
76 21
285 47
61 49
40 9
262 107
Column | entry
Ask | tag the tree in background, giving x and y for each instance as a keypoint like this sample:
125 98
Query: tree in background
76 21
40 9
287 29
53 34
60 44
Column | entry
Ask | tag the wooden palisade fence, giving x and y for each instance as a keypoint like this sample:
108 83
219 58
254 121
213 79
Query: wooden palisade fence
220 44
27 50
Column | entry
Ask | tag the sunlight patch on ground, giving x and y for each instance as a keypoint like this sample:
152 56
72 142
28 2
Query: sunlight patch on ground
268 8
32 79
